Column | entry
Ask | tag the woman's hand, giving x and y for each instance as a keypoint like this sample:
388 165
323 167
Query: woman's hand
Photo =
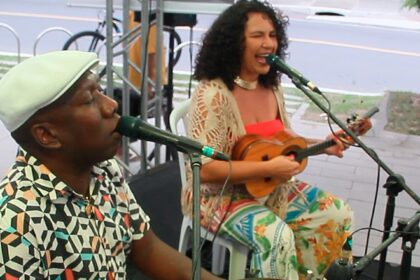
282 167
338 148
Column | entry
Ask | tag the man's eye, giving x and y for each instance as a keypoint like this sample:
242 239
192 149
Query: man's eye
90 99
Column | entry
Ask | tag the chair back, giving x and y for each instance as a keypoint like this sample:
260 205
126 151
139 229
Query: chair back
238 252
178 124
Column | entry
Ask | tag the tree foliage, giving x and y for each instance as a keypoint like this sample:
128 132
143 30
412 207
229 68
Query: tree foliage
412 4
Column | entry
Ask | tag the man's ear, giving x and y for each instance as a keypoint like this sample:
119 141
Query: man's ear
45 135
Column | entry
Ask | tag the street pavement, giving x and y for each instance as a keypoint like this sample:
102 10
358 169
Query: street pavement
353 178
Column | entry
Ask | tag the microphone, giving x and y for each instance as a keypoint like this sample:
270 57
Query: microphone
342 269
281 66
136 128
339 270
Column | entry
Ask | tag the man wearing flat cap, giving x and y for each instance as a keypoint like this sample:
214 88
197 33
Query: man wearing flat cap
66 212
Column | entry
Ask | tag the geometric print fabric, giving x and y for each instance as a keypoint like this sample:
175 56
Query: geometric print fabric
49 231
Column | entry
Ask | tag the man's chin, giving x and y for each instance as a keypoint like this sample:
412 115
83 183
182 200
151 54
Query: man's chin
114 153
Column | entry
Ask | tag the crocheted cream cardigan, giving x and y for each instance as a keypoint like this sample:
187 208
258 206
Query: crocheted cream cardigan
215 121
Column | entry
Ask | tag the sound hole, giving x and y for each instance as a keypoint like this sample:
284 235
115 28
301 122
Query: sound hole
292 155
265 158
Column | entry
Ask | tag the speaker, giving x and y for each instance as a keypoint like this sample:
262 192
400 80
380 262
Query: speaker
158 192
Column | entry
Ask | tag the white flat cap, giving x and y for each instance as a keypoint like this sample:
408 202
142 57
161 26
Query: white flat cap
38 82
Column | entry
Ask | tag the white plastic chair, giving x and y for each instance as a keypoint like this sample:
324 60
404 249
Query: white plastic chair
238 252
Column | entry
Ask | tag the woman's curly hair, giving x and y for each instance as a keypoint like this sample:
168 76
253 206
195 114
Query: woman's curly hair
223 45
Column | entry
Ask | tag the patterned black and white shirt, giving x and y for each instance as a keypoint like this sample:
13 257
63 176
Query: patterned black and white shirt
47 230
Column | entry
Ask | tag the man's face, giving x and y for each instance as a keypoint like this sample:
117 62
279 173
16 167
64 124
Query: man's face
86 123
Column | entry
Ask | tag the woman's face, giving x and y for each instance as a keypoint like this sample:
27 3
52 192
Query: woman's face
260 40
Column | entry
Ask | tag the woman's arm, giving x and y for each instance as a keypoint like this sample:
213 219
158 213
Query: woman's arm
335 150
240 171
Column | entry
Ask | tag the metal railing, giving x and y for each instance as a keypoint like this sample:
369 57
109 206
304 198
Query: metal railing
49 30
9 28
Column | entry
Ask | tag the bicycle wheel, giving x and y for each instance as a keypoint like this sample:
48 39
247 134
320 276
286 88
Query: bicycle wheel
84 41
89 40
177 41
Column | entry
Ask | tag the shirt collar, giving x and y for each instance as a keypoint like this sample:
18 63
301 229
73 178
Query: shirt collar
44 181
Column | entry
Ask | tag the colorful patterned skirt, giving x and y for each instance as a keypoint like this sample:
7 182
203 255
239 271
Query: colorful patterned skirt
310 237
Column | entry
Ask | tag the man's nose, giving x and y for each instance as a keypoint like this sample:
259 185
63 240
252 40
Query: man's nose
109 106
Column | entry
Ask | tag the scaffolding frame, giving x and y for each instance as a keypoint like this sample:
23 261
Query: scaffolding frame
127 37
145 7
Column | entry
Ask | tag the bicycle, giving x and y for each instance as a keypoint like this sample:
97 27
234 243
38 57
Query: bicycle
90 40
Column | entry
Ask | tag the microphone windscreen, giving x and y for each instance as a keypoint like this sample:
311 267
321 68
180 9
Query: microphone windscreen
339 270
125 126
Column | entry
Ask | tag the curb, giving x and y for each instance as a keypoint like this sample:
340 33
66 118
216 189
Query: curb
356 15
377 22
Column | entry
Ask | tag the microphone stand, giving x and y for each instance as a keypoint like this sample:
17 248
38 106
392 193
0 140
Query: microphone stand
395 183
409 230
392 187
195 160
411 234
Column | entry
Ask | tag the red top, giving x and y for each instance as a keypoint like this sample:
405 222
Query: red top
265 129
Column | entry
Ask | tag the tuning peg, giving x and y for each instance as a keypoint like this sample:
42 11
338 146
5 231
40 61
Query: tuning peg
353 117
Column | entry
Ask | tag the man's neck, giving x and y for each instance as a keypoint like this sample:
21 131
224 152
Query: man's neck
77 176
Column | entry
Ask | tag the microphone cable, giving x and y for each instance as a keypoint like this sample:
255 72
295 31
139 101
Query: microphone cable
378 176
219 201
375 200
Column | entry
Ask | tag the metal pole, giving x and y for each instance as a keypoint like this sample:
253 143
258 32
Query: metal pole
196 226
144 59
125 90
108 44
158 82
